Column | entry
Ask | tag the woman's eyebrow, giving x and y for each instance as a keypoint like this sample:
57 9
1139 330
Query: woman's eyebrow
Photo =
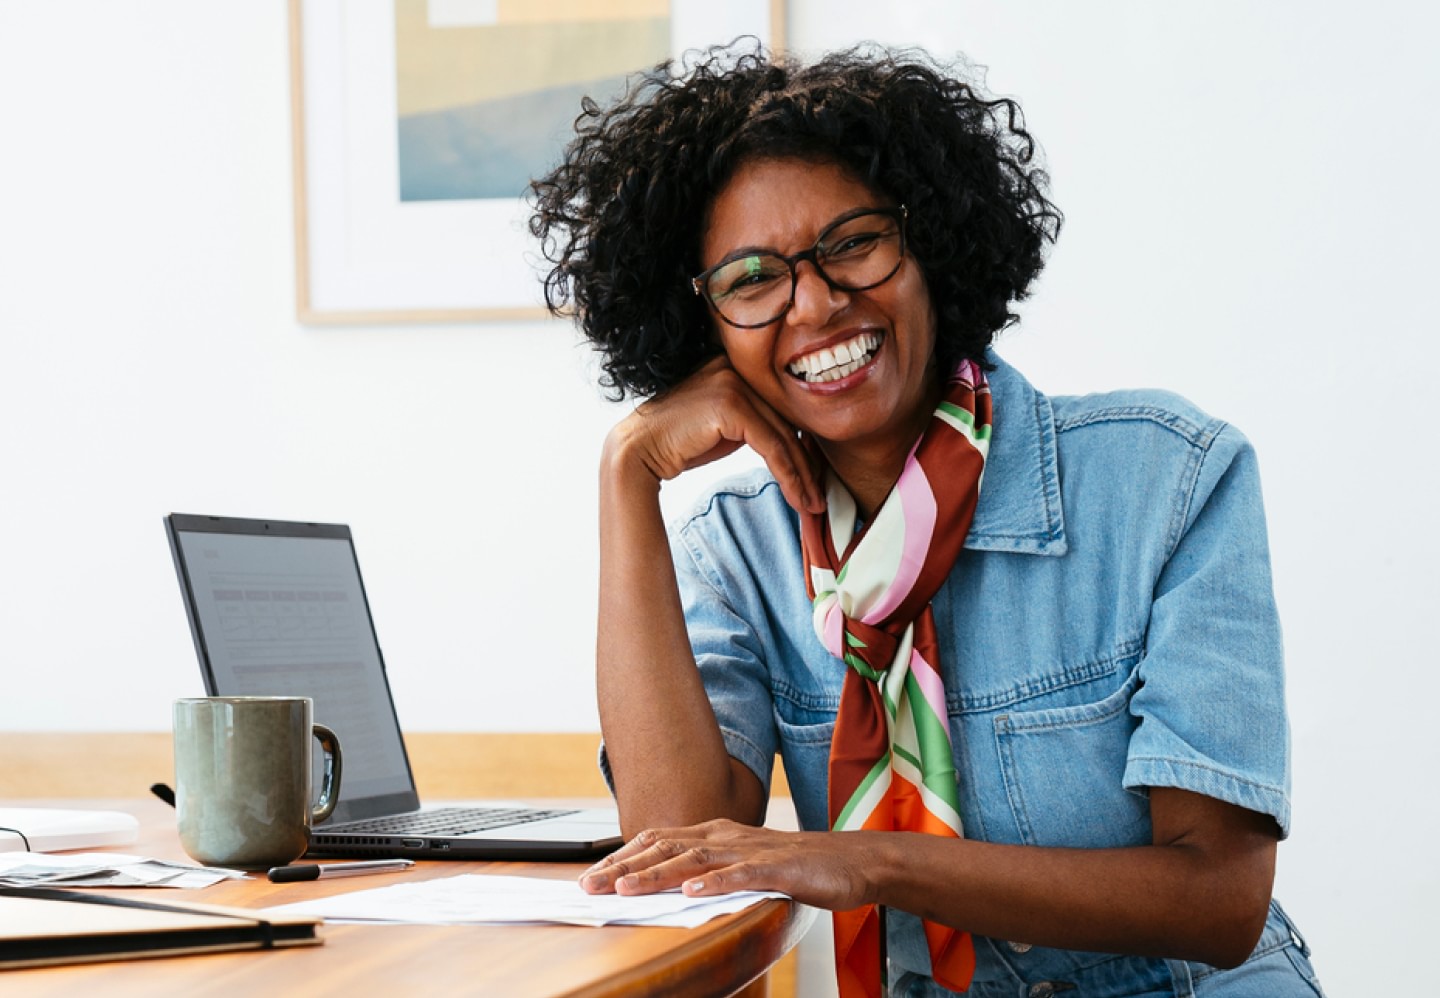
844 216
744 251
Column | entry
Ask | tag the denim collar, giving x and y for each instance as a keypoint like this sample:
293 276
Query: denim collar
1019 507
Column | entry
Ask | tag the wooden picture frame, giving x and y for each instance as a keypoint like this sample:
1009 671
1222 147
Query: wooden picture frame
364 257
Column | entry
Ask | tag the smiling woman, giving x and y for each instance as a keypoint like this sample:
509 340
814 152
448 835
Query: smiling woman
994 706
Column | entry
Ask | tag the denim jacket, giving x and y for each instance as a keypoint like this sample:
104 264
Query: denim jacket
1109 627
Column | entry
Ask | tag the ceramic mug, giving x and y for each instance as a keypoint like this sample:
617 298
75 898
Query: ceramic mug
242 779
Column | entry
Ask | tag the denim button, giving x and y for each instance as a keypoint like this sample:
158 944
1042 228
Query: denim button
1020 947
1046 989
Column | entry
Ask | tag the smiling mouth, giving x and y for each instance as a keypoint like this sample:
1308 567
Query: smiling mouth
834 363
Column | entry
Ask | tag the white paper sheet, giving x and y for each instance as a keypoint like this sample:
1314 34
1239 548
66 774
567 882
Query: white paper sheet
471 898
105 869
48 829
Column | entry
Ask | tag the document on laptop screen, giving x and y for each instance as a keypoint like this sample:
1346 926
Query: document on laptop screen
286 616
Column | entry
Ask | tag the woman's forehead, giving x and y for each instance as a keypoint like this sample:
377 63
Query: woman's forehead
781 204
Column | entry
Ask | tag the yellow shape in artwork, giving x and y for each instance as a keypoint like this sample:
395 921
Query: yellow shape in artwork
563 11
530 46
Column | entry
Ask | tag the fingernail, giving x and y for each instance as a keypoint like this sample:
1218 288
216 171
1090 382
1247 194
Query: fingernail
694 886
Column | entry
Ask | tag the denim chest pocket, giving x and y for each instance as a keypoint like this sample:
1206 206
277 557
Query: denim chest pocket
806 725
1062 769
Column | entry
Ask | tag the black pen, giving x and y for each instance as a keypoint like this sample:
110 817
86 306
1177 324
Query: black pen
316 871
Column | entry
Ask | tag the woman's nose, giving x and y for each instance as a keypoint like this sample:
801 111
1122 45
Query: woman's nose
815 300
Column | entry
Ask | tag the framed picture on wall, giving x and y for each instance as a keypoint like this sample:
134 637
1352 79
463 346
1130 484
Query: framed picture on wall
418 124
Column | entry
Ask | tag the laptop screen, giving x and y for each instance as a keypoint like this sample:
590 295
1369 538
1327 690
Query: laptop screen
279 609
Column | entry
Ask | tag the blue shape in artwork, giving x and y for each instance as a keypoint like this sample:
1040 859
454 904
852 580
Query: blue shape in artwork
491 149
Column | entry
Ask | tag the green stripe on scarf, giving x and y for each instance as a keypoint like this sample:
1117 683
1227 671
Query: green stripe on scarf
881 767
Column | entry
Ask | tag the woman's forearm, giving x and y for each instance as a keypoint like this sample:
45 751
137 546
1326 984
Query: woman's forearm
1165 901
667 757
1200 891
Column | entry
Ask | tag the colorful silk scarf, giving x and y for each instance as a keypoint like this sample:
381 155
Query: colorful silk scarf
891 766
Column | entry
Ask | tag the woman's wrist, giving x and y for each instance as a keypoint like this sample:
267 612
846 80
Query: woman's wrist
883 869
623 468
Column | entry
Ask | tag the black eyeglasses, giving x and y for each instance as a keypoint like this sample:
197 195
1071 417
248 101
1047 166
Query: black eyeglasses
858 252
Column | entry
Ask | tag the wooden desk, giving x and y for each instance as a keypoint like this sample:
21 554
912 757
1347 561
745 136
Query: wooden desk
725 956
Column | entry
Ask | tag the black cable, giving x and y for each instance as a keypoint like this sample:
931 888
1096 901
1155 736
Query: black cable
23 839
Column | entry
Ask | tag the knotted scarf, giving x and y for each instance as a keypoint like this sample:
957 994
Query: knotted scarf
891 766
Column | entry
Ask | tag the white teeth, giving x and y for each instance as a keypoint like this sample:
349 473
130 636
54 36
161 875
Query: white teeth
839 361
836 373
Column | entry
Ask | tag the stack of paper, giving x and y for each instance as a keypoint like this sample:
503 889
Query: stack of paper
105 869
478 898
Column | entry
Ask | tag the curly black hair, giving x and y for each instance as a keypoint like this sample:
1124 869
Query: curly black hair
621 217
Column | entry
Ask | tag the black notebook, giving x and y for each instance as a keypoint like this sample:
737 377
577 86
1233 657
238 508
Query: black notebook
278 608
40 927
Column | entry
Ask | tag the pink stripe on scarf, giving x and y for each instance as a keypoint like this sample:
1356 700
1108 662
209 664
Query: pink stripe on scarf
930 684
917 501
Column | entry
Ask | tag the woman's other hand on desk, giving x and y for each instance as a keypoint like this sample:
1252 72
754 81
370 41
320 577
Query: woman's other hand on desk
822 869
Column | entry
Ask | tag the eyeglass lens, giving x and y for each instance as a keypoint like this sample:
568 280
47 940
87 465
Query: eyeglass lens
855 254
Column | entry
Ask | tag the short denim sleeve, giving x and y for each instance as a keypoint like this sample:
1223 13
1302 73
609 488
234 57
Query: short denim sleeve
1211 705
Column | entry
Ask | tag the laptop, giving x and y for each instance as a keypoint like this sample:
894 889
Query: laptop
278 609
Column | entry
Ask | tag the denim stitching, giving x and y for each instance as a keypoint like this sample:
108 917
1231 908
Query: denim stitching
1013 792
749 490
803 699
1199 438
1051 483
818 733
1004 726
1127 652
1200 971
755 755
958 705
1080 716
1190 432
1305 970
1216 770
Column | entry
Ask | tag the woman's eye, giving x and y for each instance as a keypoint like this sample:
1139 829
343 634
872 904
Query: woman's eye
749 277
753 284
854 243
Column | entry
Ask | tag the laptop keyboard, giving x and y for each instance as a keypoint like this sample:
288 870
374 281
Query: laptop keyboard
451 820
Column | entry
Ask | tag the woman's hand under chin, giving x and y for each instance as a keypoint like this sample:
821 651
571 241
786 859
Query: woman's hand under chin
823 869
710 415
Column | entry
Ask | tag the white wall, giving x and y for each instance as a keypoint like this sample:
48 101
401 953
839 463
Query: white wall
1250 211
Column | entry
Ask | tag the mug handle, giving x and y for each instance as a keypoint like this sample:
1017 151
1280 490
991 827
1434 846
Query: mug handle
330 785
